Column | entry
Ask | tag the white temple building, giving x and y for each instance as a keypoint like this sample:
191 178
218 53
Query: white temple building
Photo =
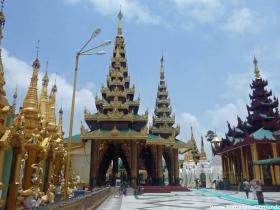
204 170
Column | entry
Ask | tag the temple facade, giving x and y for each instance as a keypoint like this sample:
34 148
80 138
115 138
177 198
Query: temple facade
118 132
257 138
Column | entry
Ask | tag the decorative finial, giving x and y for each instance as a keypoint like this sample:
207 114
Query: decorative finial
256 70
37 48
15 93
36 63
191 131
120 15
161 68
2 20
2 5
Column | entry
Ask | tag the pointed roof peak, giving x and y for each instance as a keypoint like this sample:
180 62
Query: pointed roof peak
61 110
31 98
256 69
15 93
120 16
45 77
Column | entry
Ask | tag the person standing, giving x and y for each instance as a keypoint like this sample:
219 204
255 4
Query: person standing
246 187
259 192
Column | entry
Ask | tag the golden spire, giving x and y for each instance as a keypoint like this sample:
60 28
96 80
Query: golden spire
44 95
192 136
120 23
31 98
161 68
188 157
202 150
59 126
52 97
3 99
257 70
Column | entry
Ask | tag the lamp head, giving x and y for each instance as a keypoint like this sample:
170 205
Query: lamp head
95 33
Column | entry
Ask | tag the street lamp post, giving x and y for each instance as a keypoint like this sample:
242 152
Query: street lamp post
82 51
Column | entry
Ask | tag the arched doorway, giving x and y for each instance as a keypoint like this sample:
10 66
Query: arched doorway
168 177
146 166
113 159
202 178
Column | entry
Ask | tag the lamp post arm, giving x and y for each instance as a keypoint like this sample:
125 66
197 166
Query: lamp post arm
69 143
83 47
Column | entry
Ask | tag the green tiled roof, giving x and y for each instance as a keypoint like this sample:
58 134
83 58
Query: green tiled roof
152 137
75 138
263 133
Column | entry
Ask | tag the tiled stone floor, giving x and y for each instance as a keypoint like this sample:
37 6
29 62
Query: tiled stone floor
209 199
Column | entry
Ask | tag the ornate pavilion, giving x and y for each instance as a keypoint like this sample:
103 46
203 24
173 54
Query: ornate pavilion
117 131
253 141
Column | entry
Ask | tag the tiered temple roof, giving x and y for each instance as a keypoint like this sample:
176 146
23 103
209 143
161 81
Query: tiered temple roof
163 120
117 109
263 118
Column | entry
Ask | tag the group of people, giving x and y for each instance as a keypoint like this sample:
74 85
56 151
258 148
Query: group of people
255 187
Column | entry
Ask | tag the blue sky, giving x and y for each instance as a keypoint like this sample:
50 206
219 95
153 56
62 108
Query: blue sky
208 46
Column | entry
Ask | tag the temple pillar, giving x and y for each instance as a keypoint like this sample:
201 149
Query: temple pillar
32 151
159 165
115 165
256 168
14 183
93 163
224 167
57 167
176 167
134 157
171 171
3 147
244 172
276 167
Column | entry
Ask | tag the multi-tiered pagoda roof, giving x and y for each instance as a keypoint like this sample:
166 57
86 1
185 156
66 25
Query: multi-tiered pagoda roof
117 109
263 120
163 119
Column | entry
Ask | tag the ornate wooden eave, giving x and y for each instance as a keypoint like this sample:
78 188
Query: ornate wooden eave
116 116
115 134
165 130
165 119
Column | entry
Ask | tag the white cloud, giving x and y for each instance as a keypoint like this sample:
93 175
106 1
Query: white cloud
190 120
132 9
203 11
237 85
220 114
18 73
241 21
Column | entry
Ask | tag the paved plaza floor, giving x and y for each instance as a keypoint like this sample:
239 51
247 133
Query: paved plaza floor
196 199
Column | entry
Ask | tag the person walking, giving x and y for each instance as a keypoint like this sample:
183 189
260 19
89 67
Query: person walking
246 187
259 192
